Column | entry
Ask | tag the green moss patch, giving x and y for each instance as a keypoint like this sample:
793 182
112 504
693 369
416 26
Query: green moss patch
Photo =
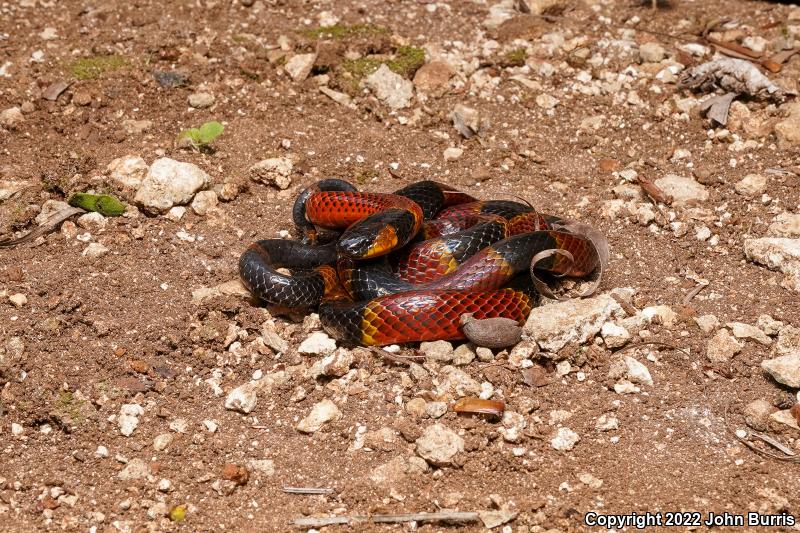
515 58
90 68
342 31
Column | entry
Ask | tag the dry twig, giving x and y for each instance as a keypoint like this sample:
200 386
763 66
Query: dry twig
445 516
307 490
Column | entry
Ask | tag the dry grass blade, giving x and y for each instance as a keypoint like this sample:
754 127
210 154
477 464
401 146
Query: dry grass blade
694 293
733 47
445 516
46 227
788 457
653 191
479 406
307 490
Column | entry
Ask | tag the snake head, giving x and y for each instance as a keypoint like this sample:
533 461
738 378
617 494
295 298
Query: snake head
378 234
363 245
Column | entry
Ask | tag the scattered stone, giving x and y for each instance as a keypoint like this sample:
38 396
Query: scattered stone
276 171
262 466
564 439
788 340
236 473
95 250
300 65
785 417
162 441
439 445
50 208
741 330
18 300
54 90
384 439
467 121
563 368
788 130
128 171
318 343
614 336
456 384
179 425
722 347
17 429
554 325
606 423
660 314
435 409
652 53
546 101
524 351
204 201
637 372
437 350
92 221
684 191
336 364
201 100
707 323
390 88
169 182
136 127
129 418
464 354
513 426
777 253
786 225
484 354
769 325
784 369
272 339
243 398
417 407
322 413
433 78
452 154
340 98
624 386
590 481
135 469
176 213
497 332
500 13
751 185
757 413
11 118
493 519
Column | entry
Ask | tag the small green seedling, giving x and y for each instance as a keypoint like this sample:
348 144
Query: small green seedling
200 138
104 204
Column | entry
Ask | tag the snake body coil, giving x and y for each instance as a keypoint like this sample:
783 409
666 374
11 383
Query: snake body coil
407 265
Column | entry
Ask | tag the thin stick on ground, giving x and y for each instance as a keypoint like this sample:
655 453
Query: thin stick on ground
307 490
445 516
694 293
47 226
789 454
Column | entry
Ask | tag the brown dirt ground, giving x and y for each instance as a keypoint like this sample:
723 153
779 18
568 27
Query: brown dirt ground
123 328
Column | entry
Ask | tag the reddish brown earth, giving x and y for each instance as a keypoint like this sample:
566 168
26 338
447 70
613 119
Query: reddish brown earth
123 329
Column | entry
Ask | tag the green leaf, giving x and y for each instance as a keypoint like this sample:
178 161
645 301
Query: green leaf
192 134
109 206
84 201
210 131
103 203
